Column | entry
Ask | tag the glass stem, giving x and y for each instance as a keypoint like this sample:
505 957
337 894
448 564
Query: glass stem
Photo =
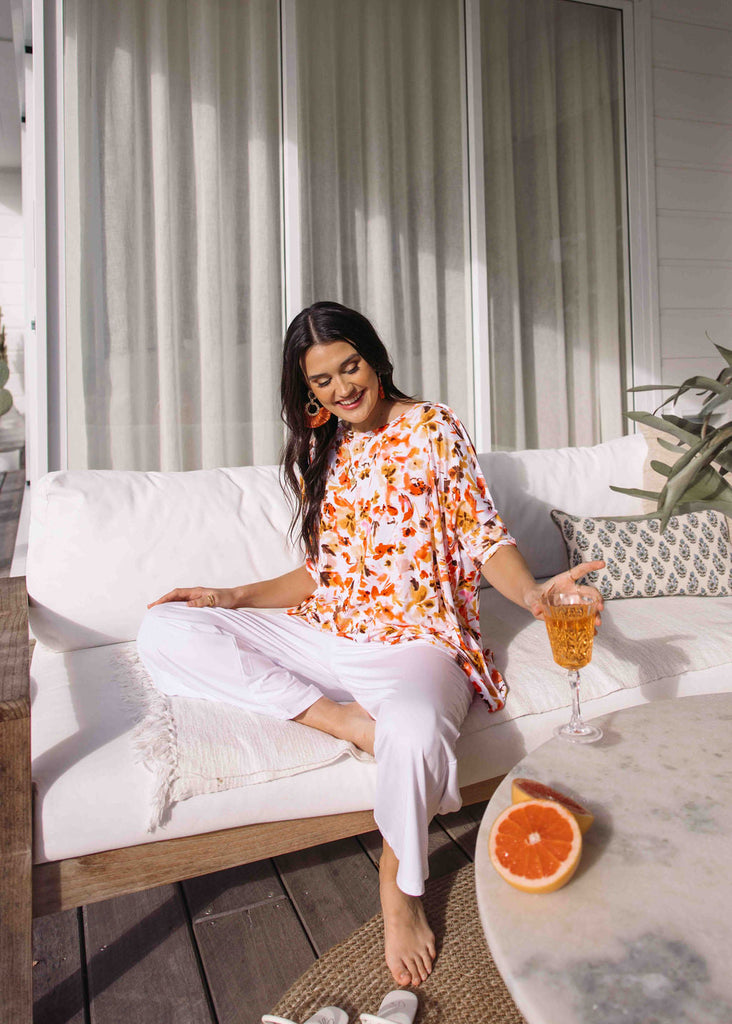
575 723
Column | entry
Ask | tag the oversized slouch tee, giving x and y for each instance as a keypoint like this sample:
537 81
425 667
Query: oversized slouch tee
407 522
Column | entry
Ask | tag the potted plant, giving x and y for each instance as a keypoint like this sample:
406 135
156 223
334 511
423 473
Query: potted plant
697 474
6 399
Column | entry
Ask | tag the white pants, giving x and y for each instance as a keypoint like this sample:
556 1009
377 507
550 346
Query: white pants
279 665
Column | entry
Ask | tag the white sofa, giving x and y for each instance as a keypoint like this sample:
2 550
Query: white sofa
104 544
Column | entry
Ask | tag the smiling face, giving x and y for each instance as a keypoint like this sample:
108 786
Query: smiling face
345 384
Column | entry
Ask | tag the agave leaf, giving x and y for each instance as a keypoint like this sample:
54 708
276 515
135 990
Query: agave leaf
723 459
661 467
688 468
665 424
725 353
704 449
654 387
635 492
701 384
714 401
708 486
675 448
691 426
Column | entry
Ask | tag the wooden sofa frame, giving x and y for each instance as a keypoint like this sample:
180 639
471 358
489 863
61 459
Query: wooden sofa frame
28 891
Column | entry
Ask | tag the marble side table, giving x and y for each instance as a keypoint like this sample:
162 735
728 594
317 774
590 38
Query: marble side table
643 932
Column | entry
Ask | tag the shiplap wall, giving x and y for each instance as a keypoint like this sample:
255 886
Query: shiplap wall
692 85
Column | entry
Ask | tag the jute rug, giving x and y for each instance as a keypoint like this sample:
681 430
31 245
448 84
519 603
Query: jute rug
464 987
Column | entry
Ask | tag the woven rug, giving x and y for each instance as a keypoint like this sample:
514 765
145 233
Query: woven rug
464 987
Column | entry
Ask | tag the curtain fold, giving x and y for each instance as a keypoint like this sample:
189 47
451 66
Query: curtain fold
554 163
382 178
173 214
174 299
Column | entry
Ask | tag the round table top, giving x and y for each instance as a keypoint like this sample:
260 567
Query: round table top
643 930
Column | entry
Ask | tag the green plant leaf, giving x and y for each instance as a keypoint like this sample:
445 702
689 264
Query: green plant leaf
4 373
725 353
692 469
653 387
691 426
635 492
664 424
6 401
714 401
675 448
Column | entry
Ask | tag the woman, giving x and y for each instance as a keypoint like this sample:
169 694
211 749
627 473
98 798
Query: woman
382 642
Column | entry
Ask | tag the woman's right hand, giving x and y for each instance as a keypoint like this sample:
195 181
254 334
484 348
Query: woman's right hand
201 597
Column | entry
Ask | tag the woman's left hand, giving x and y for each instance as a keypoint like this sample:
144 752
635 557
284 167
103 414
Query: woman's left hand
569 580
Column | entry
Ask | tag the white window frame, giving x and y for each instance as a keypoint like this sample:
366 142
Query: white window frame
46 348
643 350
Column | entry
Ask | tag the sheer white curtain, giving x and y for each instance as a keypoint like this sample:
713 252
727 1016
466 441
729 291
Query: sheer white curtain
174 302
382 180
555 206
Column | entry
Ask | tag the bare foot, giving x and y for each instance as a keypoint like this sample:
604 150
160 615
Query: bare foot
409 943
345 721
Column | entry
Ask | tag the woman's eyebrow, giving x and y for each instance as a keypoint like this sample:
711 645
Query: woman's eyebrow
343 365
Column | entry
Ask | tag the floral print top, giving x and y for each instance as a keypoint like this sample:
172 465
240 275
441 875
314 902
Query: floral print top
407 522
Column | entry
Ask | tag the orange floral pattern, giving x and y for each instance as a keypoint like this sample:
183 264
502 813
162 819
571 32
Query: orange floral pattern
407 522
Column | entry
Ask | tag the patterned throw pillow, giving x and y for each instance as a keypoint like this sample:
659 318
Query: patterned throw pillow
691 556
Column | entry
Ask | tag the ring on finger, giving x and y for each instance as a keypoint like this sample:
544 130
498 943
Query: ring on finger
211 600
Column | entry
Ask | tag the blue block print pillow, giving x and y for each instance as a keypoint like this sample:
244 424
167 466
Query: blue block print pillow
691 557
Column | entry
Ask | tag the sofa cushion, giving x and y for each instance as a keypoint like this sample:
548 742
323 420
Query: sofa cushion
691 557
105 543
93 794
527 485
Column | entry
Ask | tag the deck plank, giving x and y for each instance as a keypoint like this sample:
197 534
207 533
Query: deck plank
141 963
224 892
251 957
59 992
462 827
334 889
12 488
444 854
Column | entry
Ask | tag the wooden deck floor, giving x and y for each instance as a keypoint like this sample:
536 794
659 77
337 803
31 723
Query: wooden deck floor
219 949
223 948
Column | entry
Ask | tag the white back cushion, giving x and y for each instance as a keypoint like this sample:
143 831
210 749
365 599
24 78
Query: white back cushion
104 543
527 485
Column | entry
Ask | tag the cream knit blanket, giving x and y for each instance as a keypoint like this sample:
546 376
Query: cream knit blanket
200 746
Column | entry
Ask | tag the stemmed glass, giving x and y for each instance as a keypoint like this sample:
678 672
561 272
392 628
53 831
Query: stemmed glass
570 621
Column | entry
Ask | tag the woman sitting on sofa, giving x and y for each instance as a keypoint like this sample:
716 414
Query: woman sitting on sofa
381 645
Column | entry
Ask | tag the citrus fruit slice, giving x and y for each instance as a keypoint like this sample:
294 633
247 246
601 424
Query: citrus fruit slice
528 789
535 845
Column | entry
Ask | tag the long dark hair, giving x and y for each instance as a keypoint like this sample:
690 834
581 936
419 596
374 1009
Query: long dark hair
320 323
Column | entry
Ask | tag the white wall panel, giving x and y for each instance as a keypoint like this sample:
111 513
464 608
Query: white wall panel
699 12
695 286
693 143
701 97
706 51
694 236
680 188
676 371
685 332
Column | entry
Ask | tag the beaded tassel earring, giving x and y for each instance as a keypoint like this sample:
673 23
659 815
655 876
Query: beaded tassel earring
381 389
315 414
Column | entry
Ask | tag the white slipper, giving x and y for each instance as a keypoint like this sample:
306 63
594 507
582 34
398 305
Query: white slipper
397 1007
325 1015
